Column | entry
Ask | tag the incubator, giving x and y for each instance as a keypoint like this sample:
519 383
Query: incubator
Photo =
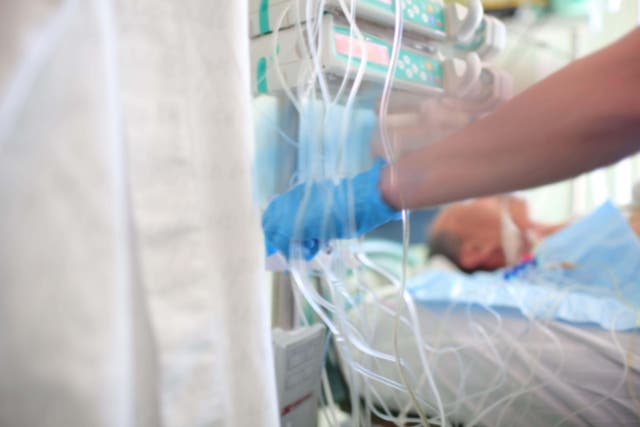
376 79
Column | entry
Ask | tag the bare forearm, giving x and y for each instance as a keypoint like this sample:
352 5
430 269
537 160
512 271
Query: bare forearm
586 115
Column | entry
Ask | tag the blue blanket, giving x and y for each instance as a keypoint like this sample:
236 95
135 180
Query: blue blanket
588 272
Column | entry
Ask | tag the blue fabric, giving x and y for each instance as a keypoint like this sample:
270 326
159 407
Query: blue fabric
604 250
600 247
275 153
323 146
313 213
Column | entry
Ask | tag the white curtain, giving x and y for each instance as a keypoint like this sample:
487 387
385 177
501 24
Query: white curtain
130 250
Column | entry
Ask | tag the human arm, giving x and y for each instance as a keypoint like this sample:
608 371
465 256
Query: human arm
584 116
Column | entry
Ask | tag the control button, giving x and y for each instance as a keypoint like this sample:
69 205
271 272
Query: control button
439 23
414 68
425 18
429 8
423 76
428 65
401 65
406 58
411 14
410 74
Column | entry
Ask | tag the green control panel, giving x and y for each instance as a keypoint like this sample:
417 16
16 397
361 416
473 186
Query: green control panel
412 67
425 13
419 69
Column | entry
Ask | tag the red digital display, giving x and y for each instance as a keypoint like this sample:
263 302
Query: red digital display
375 52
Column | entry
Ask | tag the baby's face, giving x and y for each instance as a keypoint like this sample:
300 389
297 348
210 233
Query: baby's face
479 223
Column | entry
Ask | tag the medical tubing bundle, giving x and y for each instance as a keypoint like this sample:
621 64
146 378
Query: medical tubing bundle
312 34
384 106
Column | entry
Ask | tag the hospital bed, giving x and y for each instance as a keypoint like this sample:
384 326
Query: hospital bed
494 366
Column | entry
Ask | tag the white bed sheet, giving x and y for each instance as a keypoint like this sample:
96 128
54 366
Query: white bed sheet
510 371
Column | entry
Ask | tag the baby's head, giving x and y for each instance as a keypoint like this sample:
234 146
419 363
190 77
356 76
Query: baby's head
472 236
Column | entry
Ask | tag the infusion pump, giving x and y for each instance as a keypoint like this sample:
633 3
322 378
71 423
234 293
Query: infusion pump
442 55
464 27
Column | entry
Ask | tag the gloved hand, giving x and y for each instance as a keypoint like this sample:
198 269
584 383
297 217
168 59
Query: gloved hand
324 213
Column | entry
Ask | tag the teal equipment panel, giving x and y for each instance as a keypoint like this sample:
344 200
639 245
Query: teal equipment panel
414 67
421 12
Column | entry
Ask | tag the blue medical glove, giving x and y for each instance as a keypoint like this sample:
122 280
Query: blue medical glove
313 219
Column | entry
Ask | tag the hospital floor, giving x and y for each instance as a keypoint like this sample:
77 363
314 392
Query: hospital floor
343 419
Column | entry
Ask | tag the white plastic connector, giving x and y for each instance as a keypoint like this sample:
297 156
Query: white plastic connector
495 38
493 88
460 75
463 21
